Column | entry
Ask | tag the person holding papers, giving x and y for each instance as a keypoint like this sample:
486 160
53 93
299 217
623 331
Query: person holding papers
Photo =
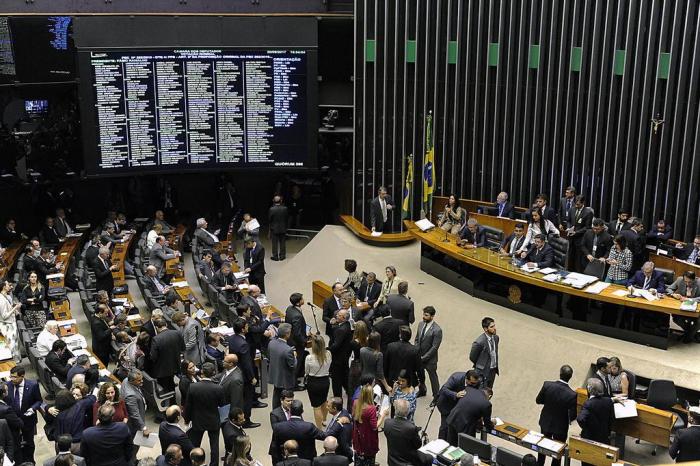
620 261
686 288
540 255
648 279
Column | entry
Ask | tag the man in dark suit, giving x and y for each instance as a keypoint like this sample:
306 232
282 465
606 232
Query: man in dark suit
401 305
686 287
103 271
7 442
232 428
659 233
278 217
484 352
615 227
596 244
63 444
232 381
388 329
402 355
565 205
238 345
547 212
305 433
340 348
648 279
283 363
108 443
166 351
472 235
204 237
689 252
206 268
503 208
402 439
330 306
295 317
379 210
513 242
428 340
473 409
291 458
686 442
57 360
82 366
540 254
8 234
636 242
24 397
202 409
597 414
558 410
329 456
580 219
48 234
340 427
282 413
254 262
170 432
102 335
225 282
15 424
451 392
370 290
602 373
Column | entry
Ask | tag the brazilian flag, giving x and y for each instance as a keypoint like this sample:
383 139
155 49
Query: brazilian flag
428 167
407 190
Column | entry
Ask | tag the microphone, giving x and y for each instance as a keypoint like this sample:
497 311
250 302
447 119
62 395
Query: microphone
312 305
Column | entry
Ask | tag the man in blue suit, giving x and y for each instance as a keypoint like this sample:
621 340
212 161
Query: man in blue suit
238 345
340 426
24 397
451 392
305 433
648 279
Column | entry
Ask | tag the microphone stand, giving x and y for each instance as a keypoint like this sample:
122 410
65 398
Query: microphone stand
313 312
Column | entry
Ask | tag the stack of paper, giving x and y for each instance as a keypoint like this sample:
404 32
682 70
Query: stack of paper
223 330
625 409
689 305
552 277
579 280
533 437
548 270
435 447
596 288
179 284
5 353
240 275
550 445
424 224
527 269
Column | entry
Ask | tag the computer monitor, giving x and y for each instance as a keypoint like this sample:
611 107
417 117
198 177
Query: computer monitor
475 447
505 457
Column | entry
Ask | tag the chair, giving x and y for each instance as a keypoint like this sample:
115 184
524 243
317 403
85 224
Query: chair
505 457
44 374
561 251
57 384
475 447
632 388
662 395
669 275
494 236
33 355
155 393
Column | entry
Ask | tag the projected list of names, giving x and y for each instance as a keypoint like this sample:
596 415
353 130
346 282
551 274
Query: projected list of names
200 108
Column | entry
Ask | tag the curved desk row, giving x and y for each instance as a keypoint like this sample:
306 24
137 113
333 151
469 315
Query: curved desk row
8 259
487 275
365 234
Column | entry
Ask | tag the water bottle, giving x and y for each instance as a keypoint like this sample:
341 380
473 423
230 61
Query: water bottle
477 461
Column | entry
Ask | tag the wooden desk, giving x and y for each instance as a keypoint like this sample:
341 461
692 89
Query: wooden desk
470 205
320 291
119 255
482 262
588 451
679 267
8 259
514 433
365 234
651 425
506 225
64 255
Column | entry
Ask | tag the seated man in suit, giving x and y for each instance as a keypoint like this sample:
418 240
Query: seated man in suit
684 288
154 284
503 208
472 235
660 232
208 240
514 241
689 252
648 279
160 253
686 443
225 282
540 254
206 268
57 360
615 227
369 291
48 234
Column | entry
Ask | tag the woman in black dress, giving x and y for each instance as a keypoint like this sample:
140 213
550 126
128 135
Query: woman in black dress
32 297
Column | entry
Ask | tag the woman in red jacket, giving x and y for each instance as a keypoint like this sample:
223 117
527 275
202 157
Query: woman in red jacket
365 430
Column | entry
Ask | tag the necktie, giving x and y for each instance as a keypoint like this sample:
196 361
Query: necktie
578 213
369 290
693 255
500 209
15 400
619 226
646 283
568 205
422 333
384 215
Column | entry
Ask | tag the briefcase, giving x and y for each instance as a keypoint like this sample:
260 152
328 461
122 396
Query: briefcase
595 269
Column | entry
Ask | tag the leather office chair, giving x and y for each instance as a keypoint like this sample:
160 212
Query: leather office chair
505 457
494 236
669 275
154 393
662 395
561 251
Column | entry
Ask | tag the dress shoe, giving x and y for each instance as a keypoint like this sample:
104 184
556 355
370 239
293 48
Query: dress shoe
259 404
251 425
282 258
420 393
274 258
299 388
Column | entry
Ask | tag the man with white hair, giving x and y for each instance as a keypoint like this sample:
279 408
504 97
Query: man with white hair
648 279
103 271
45 339
402 438
503 208
153 283
208 240
329 457
597 413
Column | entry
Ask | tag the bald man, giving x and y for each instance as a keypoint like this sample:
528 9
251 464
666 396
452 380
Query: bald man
231 378
329 457
198 457
170 433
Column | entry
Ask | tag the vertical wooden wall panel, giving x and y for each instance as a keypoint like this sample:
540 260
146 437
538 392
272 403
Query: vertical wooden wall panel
530 118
